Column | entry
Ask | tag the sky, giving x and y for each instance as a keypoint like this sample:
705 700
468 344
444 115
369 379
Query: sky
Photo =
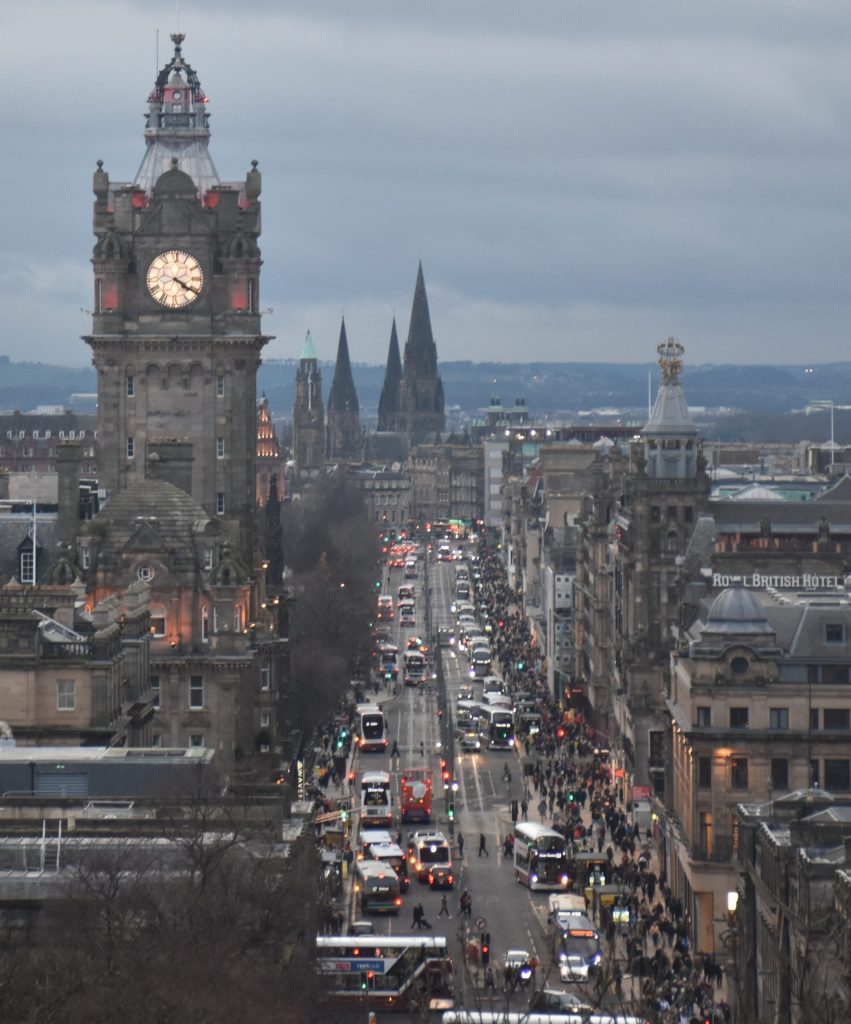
580 180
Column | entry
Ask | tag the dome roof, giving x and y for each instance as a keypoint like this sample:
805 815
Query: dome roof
737 610
175 183
171 512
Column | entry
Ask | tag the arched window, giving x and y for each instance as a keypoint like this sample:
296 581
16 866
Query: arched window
672 543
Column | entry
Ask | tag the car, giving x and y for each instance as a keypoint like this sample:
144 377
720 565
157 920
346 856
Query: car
440 876
446 636
554 1000
361 928
573 967
470 742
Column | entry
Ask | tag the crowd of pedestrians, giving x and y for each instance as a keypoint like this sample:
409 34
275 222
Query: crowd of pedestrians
569 783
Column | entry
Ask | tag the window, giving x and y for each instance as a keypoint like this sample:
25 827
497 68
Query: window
779 773
131 448
688 513
704 772
778 718
145 573
155 686
265 719
739 665
208 558
220 385
704 717
66 695
837 774
814 774
707 839
27 566
739 718
156 740
220 447
672 543
158 621
196 691
237 618
264 677
205 623
814 719
672 513
196 739
131 385
654 514
837 718
738 773
220 503
834 633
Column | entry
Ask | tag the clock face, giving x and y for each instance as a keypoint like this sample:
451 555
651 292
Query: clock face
175 279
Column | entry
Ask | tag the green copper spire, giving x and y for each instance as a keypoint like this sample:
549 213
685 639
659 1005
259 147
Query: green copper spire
308 352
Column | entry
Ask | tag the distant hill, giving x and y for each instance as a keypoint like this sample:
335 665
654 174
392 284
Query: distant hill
757 394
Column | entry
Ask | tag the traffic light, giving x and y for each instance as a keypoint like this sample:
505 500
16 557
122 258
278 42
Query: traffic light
344 814
486 948
519 666
451 812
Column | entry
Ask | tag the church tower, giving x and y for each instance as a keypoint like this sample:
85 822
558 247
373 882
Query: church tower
388 403
342 436
421 389
308 414
176 335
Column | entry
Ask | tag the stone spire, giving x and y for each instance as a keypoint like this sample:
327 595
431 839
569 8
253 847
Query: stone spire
670 436
343 421
388 403
177 127
308 414
421 391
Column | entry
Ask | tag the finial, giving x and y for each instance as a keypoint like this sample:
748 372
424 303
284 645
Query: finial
100 165
177 38
254 164
670 359
174 162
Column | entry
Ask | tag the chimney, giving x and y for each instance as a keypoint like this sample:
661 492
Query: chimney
69 454
171 460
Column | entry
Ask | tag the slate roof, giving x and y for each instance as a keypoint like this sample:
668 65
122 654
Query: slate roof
169 511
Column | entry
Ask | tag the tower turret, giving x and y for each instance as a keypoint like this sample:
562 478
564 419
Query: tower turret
308 414
670 436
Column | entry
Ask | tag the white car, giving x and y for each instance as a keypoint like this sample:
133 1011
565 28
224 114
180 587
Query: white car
573 968
470 742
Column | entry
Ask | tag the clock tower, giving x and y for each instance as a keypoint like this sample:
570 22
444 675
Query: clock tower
176 335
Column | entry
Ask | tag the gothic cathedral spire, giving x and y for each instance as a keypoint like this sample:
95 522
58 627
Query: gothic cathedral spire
343 432
421 390
388 403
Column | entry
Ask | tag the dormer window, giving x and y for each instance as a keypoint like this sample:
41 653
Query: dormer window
834 633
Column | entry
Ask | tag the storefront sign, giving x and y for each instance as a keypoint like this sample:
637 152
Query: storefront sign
758 581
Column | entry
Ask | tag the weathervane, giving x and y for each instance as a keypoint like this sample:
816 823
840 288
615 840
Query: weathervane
670 359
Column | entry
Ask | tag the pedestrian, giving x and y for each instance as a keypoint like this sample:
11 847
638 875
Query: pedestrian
490 981
483 845
460 846
418 917
423 921
394 750
444 907
524 809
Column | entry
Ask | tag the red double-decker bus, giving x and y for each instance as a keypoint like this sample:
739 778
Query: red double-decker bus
415 789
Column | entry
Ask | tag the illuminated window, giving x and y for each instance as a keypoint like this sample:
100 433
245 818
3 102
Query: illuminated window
707 837
158 621
264 677
738 773
265 719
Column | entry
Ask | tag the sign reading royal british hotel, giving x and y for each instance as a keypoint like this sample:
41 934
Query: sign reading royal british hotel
807 581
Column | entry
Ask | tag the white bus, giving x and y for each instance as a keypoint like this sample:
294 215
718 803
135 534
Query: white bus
377 887
376 800
540 857
371 728
415 668
498 724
